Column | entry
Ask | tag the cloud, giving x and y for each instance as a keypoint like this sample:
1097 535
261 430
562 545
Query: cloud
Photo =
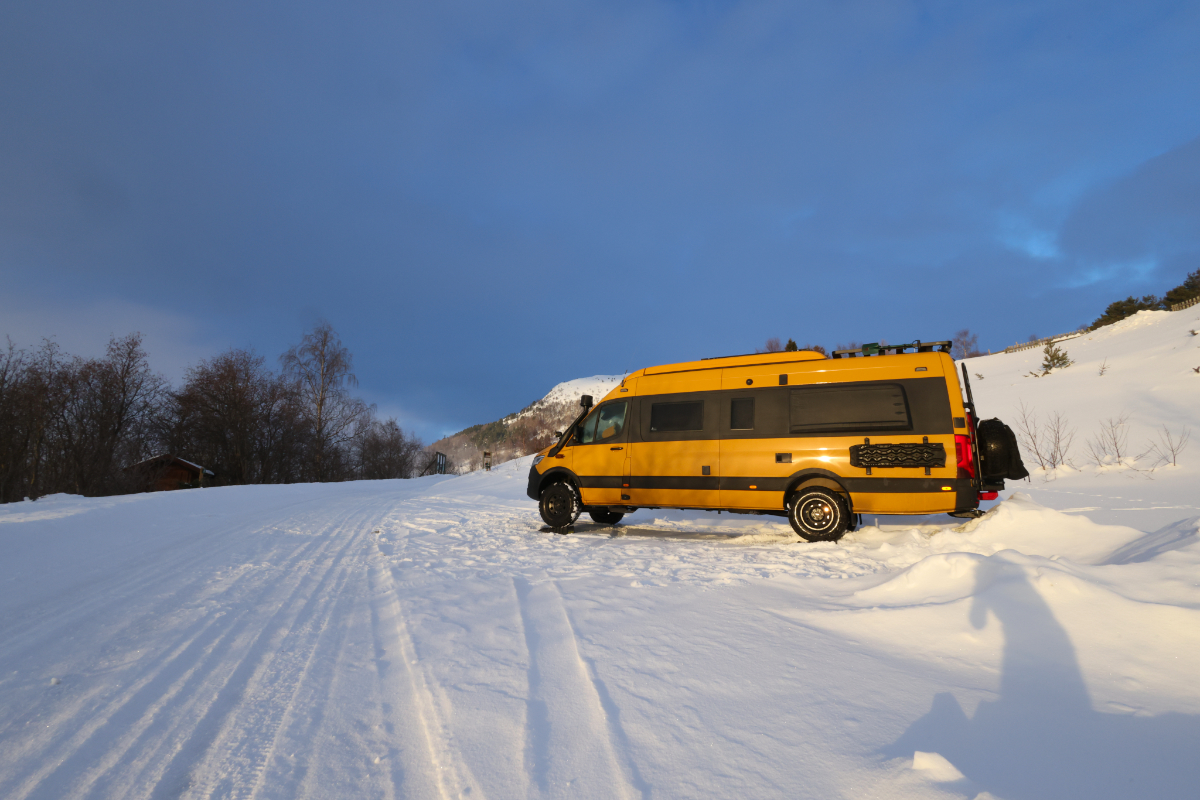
1022 236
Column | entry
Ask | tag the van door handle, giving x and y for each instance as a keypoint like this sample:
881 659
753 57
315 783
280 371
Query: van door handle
616 448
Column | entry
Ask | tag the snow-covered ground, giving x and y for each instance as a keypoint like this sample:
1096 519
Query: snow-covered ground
427 639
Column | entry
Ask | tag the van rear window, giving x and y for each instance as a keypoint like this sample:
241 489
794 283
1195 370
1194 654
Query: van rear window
849 409
688 416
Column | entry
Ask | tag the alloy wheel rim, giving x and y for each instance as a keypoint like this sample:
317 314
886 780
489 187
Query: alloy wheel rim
817 513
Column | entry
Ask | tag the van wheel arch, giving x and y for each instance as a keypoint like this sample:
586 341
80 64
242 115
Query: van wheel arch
559 475
810 480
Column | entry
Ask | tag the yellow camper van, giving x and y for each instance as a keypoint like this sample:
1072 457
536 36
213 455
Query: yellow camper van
879 430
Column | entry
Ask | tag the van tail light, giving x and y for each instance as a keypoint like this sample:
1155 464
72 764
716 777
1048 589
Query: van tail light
963 453
988 495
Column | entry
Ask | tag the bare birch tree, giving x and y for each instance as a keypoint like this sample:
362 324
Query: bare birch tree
322 369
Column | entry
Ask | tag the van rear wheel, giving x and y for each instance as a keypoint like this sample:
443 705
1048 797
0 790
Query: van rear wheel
558 505
606 517
819 515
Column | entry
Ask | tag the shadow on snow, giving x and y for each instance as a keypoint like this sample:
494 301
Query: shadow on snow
1042 738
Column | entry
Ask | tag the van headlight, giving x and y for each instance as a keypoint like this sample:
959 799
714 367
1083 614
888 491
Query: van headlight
537 459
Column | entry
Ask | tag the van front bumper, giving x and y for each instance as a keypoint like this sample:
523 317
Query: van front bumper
535 479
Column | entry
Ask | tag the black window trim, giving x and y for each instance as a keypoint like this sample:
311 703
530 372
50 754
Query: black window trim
844 429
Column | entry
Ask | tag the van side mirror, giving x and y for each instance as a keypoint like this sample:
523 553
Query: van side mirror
586 401
558 434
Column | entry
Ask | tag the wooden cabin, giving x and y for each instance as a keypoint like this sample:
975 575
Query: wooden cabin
166 472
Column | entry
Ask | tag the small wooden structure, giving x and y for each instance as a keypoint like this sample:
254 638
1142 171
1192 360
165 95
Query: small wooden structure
166 472
487 461
435 466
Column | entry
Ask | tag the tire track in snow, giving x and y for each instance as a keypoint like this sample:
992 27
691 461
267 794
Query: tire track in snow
570 749
89 714
283 775
28 629
229 748
429 763
85 623
208 690
281 682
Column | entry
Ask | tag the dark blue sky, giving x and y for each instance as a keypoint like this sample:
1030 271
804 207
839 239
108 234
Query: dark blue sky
487 198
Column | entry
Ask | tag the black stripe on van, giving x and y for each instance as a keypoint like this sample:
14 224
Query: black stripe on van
712 483
600 481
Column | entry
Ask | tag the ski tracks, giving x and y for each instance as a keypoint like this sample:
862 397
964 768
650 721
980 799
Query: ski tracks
200 716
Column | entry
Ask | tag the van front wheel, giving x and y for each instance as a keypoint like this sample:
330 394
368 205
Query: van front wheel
819 515
558 505
606 517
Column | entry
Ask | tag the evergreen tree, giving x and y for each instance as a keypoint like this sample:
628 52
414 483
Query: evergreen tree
1185 291
791 346
1127 308
1054 357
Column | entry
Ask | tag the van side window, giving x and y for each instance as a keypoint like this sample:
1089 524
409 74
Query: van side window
849 408
741 414
686 416
606 423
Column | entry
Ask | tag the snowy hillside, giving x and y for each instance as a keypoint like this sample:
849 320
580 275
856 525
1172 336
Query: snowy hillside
1149 364
1149 379
428 639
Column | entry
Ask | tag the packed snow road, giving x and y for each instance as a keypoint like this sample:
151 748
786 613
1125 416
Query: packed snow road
425 639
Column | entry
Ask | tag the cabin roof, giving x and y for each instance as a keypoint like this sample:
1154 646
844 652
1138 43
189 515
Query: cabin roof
171 458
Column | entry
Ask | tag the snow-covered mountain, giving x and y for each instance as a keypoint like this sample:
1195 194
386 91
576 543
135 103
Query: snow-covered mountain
570 391
525 431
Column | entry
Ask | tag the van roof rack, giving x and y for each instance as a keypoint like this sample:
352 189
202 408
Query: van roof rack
877 349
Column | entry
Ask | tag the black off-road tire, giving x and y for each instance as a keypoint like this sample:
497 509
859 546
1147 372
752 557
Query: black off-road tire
606 517
819 515
559 505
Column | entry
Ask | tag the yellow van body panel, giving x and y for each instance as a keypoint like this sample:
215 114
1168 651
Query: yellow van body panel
661 461
839 370
679 382
714 364
599 460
